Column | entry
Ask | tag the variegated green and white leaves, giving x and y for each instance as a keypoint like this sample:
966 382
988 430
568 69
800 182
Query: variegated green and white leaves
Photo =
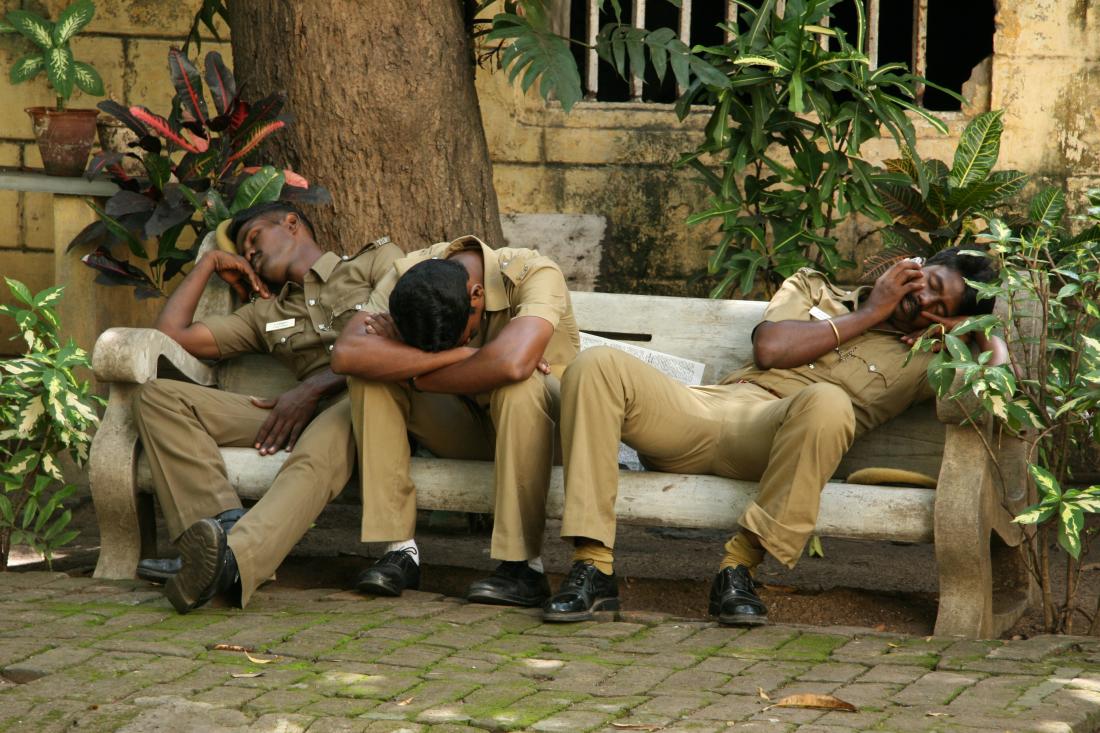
54 56
46 410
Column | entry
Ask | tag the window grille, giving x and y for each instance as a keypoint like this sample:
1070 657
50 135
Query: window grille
959 37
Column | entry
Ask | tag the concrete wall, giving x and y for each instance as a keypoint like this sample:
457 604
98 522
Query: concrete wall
613 159
127 42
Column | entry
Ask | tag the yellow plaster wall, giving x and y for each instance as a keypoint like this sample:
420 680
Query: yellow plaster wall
127 42
613 159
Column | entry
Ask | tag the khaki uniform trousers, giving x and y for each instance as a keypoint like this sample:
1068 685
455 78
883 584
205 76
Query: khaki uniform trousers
790 445
181 427
518 432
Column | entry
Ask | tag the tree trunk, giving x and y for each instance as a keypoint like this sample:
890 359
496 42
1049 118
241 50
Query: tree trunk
386 115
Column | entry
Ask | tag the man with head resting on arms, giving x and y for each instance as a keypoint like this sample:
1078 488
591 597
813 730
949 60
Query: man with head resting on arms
829 365
463 349
301 298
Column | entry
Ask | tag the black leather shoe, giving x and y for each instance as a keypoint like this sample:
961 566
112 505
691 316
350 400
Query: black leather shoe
733 598
511 584
208 567
160 570
583 591
393 573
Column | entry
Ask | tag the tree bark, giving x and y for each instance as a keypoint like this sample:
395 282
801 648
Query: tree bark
386 115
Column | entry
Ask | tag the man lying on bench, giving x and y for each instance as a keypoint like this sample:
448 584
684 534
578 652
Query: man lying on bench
830 364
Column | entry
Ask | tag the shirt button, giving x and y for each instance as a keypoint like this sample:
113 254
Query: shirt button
282 340
330 346
322 327
345 258
358 306
313 301
872 368
811 366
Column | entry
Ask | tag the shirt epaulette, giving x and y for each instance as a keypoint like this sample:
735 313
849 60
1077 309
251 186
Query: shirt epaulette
370 246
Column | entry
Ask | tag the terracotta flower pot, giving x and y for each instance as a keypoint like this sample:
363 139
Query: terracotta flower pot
64 138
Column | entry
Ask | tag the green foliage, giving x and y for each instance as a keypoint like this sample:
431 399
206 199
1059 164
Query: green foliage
53 54
195 176
1048 293
46 411
792 102
934 207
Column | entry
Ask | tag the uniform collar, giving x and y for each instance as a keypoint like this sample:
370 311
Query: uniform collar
496 298
325 264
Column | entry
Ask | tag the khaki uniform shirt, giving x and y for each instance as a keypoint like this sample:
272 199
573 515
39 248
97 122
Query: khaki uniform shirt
518 282
300 324
870 368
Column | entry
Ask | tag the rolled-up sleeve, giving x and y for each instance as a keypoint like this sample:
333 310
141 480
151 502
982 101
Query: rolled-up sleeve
236 333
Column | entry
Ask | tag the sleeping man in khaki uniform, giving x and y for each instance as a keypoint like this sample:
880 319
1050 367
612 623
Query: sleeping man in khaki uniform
463 349
829 365
302 297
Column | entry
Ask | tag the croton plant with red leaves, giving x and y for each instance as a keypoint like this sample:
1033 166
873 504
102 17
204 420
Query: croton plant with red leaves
193 175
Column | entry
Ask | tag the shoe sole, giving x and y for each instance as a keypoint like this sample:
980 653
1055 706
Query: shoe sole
739 619
374 589
497 599
202 554
600 604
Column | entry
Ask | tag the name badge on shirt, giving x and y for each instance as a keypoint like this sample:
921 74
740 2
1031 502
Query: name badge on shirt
819 314
279 325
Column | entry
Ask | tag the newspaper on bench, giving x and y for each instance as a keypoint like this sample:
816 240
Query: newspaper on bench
680 369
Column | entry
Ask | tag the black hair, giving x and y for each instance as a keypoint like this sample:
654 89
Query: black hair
267 209
972 265
430 304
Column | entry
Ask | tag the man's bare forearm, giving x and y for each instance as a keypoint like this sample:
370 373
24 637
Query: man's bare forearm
376 358
786 344
325 383
176 319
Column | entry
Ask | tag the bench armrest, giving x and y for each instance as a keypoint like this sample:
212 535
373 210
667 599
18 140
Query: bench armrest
954 411
130 355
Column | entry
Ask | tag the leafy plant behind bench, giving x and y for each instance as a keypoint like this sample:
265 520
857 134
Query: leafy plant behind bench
46 411
1049 292
195 175
955 205
781 155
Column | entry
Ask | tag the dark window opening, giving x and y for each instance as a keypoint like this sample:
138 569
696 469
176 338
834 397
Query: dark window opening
959 37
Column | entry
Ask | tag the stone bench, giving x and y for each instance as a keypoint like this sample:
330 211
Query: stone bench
983 584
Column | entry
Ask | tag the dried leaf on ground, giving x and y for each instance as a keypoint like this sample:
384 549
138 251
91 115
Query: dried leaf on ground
763 695
406 701
637 726
257 660
230 648
938 715
246 675
817 702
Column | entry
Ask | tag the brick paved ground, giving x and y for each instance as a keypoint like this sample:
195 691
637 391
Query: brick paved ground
82 654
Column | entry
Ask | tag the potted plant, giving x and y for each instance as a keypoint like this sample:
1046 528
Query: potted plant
194 174
46 412
64 135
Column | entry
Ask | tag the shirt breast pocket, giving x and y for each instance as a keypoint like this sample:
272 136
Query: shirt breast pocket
285 340
861 376
344 309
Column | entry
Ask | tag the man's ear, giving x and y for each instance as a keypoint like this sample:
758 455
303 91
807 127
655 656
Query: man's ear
292 221
477 294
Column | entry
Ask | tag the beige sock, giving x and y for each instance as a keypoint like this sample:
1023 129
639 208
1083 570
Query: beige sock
594 552
740 551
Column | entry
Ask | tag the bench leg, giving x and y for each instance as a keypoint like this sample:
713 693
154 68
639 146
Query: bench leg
984 584
113 487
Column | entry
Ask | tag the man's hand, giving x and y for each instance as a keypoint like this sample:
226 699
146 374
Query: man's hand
290 413
903 278
381 324
236 271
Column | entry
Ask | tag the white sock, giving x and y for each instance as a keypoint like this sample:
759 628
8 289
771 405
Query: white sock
409 545
535 564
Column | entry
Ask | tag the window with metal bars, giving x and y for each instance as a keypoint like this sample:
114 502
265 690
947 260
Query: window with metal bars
941 40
